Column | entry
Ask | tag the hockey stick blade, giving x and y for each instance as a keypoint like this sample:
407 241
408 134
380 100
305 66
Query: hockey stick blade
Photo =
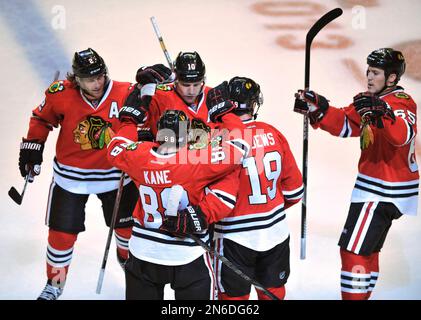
311 34
15 195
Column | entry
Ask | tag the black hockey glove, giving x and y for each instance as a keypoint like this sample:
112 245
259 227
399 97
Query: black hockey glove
218 103
144 134
188 221
311 104
372 109
30 158
133 109
157 73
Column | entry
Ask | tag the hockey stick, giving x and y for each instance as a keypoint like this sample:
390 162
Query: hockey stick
13 193
174 200
233 266
315 29
110 233
161 42
172 208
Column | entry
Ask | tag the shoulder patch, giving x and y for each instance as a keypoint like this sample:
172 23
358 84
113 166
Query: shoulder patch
133 146
163 87
56 87
402 95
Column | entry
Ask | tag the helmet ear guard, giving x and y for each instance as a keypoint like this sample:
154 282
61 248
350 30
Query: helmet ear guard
246 95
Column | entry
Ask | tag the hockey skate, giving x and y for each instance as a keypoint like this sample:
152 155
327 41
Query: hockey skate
50 292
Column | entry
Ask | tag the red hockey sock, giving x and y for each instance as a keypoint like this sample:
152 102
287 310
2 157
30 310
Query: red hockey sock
59 255
224 296
374 271
122 236
279 292
355 276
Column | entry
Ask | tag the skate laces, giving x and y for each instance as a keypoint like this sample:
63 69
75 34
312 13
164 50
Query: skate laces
50 293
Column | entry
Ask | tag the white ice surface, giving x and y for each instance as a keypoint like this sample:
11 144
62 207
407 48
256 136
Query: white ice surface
232 40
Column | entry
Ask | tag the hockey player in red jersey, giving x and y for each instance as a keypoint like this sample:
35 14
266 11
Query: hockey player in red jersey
255 235
188 93
86 108
157 255
386 187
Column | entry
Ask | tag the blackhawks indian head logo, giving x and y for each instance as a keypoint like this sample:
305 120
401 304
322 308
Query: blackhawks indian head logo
93 133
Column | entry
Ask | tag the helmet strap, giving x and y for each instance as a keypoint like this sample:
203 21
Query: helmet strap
255 113
386 88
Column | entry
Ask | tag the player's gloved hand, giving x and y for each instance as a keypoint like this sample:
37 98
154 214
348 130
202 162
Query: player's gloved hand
218 102
30 158
149 77
157 73
188 221
133 109
310 103
144 134
372 109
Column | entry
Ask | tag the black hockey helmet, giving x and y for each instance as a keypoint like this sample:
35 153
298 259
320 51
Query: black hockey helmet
173 127
88 63
189 67
389 60
246 94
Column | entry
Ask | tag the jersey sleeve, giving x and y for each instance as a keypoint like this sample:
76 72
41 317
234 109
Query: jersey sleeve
341 122
153 115
230 121
291 182
221 197
45 117
404 129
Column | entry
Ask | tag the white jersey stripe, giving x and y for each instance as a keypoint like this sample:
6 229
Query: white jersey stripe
365 228
357 227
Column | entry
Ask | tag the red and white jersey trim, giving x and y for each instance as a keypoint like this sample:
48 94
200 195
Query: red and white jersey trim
259 231
228 199
294 194
159 247
361 227
86 181
346 131
404 195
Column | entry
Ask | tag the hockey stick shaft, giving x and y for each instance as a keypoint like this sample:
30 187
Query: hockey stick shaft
13 193
110 233
233 266
173 202
314 30
161 41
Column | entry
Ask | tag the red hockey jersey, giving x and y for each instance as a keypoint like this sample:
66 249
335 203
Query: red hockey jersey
387 169
270 182
166 98
81 164
154 174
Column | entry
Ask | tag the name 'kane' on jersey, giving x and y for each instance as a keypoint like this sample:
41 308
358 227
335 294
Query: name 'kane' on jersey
154 174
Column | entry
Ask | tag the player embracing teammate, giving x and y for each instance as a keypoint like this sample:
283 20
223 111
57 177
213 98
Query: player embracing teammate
384 118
